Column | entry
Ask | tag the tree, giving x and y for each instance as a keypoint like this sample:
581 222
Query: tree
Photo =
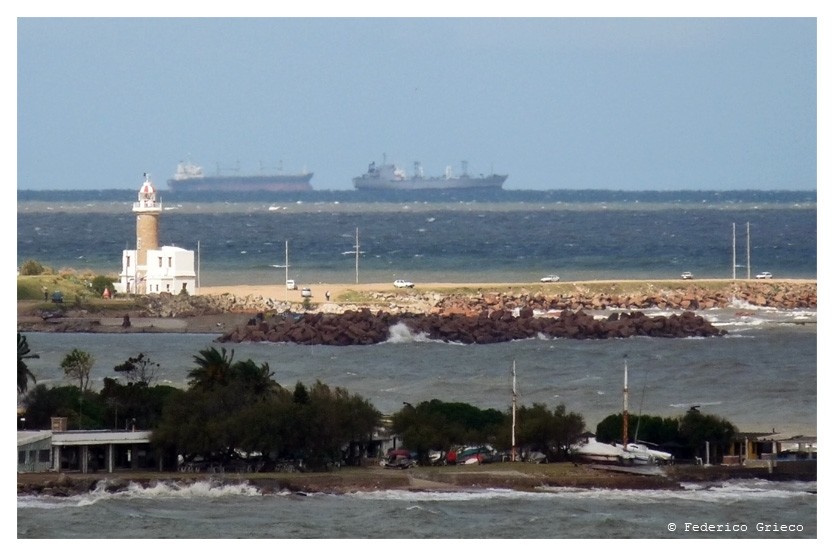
23 372
441 425
213 369
100 283
86 410
135 403
139 369
569 427
32 267
550 432
77 365
696 429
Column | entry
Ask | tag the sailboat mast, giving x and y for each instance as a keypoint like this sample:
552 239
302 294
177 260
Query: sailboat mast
357 255
513 419
286 267
625 404
733 250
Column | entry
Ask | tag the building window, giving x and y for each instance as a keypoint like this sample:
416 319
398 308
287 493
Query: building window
169 262
21 457
43 455
168 287
127 261
160 261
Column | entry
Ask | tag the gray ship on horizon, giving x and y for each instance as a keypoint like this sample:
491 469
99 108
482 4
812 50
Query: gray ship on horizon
390 177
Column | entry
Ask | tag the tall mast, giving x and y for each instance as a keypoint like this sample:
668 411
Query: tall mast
733 274
286 267
197 287
748 246
513 419
625 404
357 255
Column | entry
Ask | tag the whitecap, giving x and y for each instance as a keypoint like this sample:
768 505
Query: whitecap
400 333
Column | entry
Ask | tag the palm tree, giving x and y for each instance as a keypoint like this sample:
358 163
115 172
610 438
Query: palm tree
255 379
213 368
23 372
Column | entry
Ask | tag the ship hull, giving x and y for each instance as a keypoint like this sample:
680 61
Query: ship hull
494 182
283 183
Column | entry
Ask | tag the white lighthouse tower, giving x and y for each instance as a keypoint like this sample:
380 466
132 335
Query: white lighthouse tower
151 269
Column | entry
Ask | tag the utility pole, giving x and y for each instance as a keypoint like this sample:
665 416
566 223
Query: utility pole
286 268
625 405
356 253
513 419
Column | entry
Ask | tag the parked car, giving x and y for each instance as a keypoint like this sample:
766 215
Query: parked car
306 292
57 297
291 284
550 278
400 283
764 275
687 275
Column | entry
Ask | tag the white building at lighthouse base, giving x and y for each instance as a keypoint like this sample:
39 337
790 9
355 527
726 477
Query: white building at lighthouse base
169 269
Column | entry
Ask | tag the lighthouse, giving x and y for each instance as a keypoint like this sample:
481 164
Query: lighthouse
147 210
151 269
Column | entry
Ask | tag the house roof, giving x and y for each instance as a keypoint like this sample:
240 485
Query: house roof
99 437
27 437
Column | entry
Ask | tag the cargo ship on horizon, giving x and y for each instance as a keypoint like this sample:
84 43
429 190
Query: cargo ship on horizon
389 177
191 178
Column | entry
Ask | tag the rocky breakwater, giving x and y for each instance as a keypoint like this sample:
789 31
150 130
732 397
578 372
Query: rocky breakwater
364 327
779 295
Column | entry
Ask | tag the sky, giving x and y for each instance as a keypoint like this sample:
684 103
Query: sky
654 103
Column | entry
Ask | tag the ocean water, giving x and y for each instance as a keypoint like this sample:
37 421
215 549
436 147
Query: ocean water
240 242
762 375
209 510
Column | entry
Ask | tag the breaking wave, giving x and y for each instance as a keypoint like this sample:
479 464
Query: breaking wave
400 333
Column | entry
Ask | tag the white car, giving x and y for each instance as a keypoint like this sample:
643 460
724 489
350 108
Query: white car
764 275
687 275
306 293
550 278
400 283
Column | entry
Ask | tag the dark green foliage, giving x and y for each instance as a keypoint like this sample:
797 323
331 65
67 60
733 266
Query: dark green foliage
139 369
32 267
232 408
438 425
100 282
300 394
610 429
135 404
24 375
696 428
77 365
691 431
551 433
83 412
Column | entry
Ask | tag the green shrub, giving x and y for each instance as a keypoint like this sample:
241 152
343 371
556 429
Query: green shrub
32 267
101 282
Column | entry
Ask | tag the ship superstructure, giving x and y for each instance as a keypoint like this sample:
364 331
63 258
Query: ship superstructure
391 177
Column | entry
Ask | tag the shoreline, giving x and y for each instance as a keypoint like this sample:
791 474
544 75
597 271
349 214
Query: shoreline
525 477
220 309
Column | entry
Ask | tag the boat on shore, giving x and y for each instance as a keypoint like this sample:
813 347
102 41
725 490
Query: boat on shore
390 177
190 177
631 453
